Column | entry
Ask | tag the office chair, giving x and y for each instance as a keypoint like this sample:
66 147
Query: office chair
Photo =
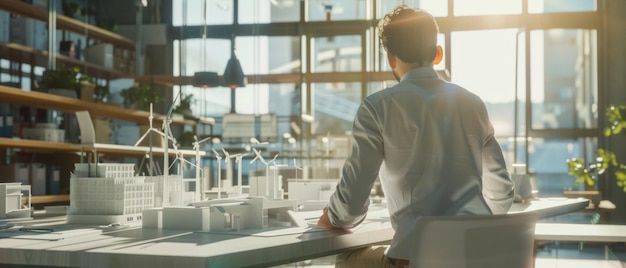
475 241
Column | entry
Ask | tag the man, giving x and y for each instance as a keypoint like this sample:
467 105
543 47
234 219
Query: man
430 142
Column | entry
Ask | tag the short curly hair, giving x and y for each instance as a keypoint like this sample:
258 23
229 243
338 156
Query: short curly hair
410 34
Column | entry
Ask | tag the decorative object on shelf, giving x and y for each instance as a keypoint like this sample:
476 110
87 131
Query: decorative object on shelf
60 80
616 119
71 10
140 96
67 48
86 87
68 82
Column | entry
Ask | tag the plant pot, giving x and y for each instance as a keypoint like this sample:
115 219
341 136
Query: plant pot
70 93
87 91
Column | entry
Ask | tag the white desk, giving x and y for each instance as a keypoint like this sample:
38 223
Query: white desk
580 232
135 247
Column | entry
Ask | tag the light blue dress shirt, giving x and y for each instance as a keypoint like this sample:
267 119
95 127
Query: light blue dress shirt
433 146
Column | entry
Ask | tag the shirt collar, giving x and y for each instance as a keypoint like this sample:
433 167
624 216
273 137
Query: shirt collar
420 73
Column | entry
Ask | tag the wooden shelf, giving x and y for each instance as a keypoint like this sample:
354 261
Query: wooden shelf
20 53
37 145
68 24
111 149
65 104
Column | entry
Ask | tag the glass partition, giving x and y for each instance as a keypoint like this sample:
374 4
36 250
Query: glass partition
564 79
555 6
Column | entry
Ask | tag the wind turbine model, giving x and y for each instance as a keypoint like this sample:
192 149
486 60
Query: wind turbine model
267 168
275 181
237 157
297 168
254 142
182 161
199 186
151 129
219 173
168 136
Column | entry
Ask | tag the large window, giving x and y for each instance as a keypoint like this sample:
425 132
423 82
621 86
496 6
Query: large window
535 66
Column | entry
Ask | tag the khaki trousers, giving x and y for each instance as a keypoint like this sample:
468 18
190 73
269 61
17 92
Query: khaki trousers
368 257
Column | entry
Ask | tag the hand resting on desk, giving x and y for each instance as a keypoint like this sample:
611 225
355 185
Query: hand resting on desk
324 222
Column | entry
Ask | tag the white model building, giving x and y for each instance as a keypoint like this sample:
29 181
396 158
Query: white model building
310 193
221 215
106 193
11 206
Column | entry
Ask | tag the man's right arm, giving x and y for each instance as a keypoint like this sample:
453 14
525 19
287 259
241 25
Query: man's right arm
497 183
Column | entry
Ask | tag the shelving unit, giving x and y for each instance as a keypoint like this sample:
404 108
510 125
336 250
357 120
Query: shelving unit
68 24
20 53
57 151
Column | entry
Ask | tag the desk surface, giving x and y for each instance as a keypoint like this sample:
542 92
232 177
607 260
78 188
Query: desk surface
580 232
75 245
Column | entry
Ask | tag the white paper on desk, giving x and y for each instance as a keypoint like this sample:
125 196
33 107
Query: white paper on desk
269 232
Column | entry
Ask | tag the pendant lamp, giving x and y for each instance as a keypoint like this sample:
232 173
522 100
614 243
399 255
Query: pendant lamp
233 75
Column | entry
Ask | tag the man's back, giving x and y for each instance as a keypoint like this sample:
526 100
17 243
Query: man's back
432 145
433 135
430 141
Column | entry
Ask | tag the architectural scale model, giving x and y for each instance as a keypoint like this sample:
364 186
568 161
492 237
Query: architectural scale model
106 193
222 215
11 205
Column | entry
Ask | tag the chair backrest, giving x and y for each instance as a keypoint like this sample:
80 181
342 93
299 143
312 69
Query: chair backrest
87 132
475 241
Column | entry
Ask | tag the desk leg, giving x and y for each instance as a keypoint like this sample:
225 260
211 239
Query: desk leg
535 249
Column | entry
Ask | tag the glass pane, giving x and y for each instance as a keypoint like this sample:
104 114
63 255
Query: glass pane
211 102
216 55
553 6
217 12
548 159
254 11
564 79
337 54
337 10
437 8
254 54
486 7
484 63
335 106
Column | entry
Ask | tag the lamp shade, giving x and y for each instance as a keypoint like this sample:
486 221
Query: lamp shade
205 79
233 74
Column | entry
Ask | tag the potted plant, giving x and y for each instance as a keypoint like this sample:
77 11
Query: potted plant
185 105
140 96
62 81
69 82
616 117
